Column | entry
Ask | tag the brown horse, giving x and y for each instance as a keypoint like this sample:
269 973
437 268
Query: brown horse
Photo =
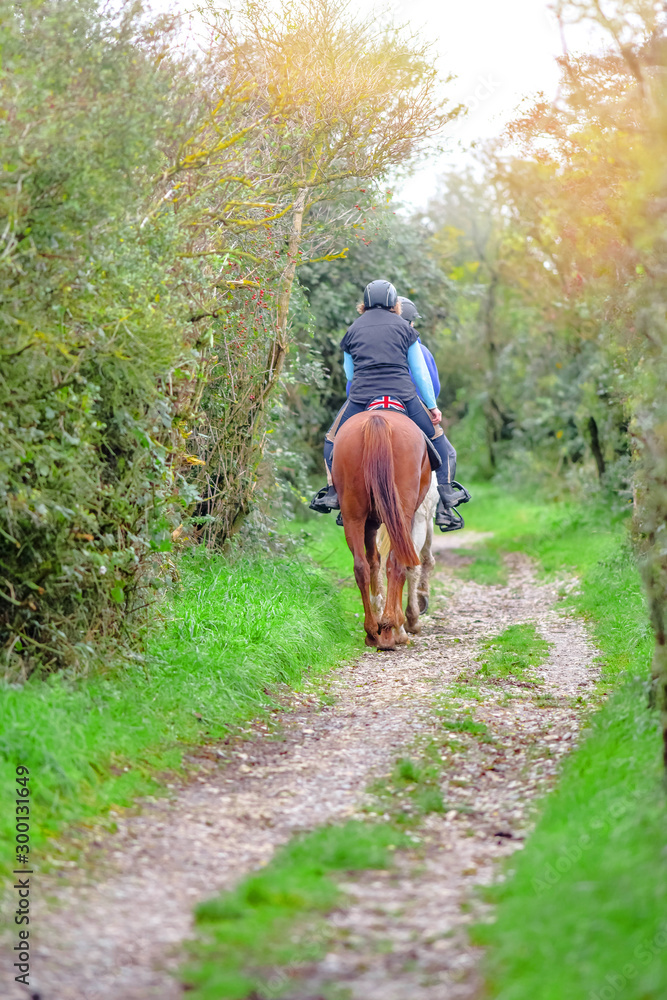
382 473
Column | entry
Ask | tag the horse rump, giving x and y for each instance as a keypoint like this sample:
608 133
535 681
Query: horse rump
378 463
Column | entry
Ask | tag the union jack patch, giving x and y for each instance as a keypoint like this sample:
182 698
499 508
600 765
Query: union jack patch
386 403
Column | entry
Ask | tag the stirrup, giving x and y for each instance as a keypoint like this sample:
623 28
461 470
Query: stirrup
317 505
463 490
454 520
339 519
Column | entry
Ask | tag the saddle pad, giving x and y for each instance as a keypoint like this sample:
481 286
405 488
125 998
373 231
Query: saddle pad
386 403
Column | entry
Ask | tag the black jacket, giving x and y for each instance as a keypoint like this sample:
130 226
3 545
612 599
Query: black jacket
379 342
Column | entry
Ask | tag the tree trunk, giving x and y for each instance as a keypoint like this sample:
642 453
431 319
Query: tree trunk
655 580
279 345
595 446
660 681
651 525
490 408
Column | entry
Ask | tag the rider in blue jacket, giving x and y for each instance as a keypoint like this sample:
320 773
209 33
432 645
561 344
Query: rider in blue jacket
383 356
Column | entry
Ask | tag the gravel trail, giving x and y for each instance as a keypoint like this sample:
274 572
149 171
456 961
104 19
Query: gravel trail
111 930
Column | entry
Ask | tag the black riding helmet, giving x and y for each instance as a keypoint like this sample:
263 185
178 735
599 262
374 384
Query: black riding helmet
409 310
380 293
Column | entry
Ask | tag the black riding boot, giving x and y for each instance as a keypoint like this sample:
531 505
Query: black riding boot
451 495
325 500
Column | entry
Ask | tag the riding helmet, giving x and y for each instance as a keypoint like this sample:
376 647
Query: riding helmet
409 310
380 293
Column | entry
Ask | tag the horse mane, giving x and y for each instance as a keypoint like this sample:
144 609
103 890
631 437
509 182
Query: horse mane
378 462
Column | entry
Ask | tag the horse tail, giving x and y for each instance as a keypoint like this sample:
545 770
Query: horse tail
378 462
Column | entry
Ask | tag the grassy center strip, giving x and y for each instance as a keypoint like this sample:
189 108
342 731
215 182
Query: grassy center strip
254 940
517 651
261 937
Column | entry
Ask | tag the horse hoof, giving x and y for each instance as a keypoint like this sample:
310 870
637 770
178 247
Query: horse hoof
414 629
371 640
422 601
386 639
402 639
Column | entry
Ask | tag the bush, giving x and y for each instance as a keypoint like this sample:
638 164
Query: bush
95 364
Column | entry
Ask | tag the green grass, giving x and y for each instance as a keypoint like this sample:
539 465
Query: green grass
513 653
273 918
421 780
466 724
583 915
230 635
407 771
413 788
322 540
418 783
558 534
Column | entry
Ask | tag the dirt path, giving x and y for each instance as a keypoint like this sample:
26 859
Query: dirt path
117 937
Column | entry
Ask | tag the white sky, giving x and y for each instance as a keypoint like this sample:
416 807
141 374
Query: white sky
500 51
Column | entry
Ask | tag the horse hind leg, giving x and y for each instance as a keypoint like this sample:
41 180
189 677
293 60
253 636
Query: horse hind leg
392 618
375 567
354 534
427 564
413 607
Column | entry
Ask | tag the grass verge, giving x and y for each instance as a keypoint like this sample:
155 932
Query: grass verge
583 913
250 937
227 637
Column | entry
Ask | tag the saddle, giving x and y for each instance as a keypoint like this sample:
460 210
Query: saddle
391 403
